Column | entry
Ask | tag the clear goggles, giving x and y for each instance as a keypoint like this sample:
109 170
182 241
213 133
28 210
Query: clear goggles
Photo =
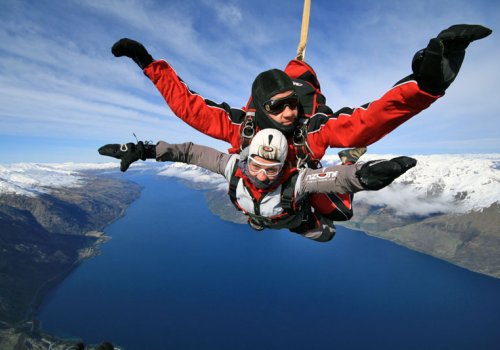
276 106
269 169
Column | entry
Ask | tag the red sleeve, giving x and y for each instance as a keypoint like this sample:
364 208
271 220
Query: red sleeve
216 120
365 125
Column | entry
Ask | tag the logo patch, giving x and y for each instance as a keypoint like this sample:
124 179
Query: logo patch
268 148
322 176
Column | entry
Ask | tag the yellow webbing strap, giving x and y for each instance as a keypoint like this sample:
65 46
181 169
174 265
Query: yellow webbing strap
301 51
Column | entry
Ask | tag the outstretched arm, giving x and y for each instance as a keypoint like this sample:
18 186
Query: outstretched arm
216 120
362 126
434 69
437 66
189 153
372 175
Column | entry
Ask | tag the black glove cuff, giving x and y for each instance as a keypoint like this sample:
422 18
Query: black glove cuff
146 150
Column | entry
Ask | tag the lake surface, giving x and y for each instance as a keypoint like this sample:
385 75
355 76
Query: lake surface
175 276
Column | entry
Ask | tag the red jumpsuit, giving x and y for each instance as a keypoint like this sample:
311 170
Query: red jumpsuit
348 127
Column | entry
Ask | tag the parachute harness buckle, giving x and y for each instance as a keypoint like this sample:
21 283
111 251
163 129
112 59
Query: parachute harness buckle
248 129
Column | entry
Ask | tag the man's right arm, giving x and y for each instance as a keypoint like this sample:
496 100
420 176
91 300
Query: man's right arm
216 120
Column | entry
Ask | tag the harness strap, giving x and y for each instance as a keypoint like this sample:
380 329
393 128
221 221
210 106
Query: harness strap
233 184
341 207
288 194
256 221
304 152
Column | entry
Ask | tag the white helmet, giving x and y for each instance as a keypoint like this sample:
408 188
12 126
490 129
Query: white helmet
269 144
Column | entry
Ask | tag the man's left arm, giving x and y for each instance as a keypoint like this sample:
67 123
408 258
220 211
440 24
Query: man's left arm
434 69
362 126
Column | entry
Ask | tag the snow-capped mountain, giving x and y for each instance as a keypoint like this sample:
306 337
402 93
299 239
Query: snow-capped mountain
438 184
31 179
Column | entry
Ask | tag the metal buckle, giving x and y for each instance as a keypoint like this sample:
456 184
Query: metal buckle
254 225
248 129
298 137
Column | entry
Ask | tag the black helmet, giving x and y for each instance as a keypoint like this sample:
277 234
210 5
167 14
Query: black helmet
266 85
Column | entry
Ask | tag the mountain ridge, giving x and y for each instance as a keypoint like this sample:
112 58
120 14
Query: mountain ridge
46 232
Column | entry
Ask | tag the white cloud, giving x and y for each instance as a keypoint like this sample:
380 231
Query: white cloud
440 184
58 77
404 201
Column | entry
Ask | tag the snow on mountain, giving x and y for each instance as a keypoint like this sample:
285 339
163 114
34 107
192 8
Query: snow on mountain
31 179
439 184
193 173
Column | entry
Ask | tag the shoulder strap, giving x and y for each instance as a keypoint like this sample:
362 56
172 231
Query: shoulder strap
233 184
304 153
288 193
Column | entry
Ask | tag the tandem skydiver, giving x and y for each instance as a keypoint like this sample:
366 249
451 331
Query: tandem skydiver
269 190
297 108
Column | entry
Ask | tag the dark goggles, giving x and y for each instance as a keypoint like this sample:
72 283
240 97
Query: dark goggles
277 106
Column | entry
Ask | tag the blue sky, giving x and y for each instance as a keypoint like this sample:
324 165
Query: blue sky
63 94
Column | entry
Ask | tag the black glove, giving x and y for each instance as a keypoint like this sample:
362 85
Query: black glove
459 36
129 153
437 66
133 49
377 174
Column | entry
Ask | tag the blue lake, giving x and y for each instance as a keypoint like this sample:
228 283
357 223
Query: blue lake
175 276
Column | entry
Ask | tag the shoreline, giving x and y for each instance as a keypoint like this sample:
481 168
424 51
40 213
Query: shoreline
401 244
30 330
107 199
